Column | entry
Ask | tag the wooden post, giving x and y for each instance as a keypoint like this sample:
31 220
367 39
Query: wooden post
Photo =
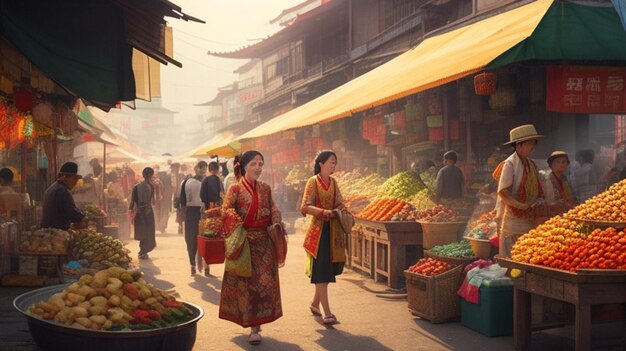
104 170
23 168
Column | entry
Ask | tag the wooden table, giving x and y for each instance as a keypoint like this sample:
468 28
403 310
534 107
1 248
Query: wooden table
582 289
395 246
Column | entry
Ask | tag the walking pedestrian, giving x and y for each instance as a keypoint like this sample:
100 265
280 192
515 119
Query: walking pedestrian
193 203
165 201
250 289
212 189
141 200
324 241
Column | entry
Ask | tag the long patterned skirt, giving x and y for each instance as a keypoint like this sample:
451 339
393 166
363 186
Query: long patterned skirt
255 300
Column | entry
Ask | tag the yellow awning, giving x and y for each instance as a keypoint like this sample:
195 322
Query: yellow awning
218 145
436 61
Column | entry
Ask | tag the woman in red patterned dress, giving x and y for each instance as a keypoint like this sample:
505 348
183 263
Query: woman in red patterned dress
324 241
250 288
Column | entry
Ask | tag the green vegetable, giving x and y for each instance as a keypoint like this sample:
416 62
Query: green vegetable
461 249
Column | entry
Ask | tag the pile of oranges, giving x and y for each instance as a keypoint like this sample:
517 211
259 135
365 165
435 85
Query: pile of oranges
562 243
609 206
386 209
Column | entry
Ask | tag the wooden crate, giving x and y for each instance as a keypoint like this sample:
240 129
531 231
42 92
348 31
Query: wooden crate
434 297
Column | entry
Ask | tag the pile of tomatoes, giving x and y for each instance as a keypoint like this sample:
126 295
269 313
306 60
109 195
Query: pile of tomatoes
429 267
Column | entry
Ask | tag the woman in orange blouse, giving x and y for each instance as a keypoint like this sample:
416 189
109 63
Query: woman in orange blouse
324 241
250 289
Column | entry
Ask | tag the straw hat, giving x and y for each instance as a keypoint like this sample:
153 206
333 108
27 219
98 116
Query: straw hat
523 133
556 154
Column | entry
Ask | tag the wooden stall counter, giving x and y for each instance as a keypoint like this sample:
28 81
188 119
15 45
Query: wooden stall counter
582 289
394 246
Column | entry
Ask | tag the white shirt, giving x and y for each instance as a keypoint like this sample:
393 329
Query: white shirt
192 192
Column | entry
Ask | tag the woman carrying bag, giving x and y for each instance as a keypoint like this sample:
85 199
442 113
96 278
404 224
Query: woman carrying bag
324 242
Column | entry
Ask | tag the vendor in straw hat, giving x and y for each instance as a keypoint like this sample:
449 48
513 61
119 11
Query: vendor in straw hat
519 187
558 190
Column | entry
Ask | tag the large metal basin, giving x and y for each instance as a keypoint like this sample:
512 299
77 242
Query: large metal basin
52 336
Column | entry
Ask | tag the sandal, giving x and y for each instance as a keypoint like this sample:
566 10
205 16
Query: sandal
315 311
330 320
254 339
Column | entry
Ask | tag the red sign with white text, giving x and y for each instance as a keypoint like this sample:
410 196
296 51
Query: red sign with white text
586 89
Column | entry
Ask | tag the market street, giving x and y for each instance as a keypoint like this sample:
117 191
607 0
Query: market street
367 322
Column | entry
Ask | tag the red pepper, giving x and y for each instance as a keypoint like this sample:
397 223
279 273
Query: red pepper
142 316
173 303
154 315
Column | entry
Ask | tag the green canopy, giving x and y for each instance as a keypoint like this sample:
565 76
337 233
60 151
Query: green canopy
80 44
571 31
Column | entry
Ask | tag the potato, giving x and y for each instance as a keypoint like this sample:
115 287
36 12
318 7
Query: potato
103 292
115 272
84 304
57 301
114 285
100 279
97 310
86 291
84 321
72 288
115 300
75 298
79 312
98 319
107 324
98 301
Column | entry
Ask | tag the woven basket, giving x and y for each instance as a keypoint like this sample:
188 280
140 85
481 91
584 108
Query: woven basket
481 247
485 83
439 233
434 298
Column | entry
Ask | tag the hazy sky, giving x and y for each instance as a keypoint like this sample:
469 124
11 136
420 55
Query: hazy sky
230 24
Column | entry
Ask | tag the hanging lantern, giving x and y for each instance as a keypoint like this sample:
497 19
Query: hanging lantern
23 100
485 83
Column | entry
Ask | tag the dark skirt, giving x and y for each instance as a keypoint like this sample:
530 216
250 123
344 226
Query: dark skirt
144 230
324 271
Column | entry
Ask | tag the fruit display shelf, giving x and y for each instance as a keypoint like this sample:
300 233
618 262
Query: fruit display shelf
393 245
582 288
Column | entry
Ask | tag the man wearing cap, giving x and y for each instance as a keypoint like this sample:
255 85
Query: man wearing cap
558 191
59 209
519 187
449 179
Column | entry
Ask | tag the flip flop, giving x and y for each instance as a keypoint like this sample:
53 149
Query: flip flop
254 339
315 311
330 320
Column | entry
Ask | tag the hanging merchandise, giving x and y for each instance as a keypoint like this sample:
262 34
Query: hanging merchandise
23 100
485 83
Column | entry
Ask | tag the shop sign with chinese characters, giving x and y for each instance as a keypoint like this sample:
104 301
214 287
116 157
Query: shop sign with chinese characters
586 89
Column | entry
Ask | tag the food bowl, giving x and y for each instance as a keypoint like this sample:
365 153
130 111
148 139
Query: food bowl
52 336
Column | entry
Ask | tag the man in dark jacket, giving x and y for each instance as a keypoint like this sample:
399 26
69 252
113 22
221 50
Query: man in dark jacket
449 178
59 208
212 189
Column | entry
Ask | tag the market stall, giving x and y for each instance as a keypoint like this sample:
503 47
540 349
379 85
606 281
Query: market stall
578 258
393 245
